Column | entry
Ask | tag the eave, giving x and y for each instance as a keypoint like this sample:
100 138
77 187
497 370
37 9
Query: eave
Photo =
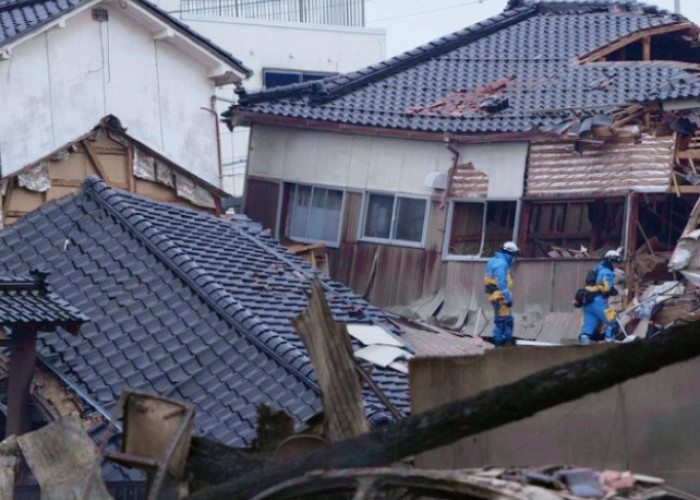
248 118
220 67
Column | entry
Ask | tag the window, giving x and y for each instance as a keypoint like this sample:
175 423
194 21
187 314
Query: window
277 77
478 228
394 218
313 213
560 229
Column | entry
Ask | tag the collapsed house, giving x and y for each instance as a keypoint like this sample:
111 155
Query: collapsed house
111 153
191 307
569 127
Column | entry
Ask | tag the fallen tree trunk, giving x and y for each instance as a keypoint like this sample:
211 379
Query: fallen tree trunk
487 410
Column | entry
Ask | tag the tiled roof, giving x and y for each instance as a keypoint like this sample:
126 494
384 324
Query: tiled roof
181 304
20 17
25 300
525 59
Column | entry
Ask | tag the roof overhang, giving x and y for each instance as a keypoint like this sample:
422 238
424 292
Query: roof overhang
221 69
248 118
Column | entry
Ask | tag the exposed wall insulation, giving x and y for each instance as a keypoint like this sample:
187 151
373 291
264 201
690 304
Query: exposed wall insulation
556 169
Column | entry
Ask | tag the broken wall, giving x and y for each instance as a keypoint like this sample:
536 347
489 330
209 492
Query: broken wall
645 424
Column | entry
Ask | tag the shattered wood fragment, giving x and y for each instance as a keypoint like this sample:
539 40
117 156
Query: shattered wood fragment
210 462
9 458
64 461
273 428
490 409
328 344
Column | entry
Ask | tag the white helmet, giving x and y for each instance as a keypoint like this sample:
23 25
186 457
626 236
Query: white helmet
613 256
510 247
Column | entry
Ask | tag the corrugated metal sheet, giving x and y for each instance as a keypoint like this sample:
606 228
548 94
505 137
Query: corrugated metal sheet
468 182
555 169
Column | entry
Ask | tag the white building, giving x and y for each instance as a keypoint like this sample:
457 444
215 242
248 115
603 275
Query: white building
65 65
282 41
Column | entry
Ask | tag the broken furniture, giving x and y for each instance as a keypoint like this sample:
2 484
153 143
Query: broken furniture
156 438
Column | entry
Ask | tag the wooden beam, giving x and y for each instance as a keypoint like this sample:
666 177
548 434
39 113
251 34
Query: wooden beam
95 160
72 183
689 154
15 213
130 169
688 190
108 150
599 54
22 364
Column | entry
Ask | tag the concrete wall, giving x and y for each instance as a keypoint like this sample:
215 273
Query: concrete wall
376 163
648 424
58 84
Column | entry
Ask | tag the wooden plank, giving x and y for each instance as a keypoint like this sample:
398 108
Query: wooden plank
106 150
95 160
599 54
72 183
64 461
328 344
689 154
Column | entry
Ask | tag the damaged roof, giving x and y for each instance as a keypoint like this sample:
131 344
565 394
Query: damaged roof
25 301
184 305
21 17
517 72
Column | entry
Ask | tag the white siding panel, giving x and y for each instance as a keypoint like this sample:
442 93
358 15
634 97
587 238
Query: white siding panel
138 112
24 92
78 70
396 165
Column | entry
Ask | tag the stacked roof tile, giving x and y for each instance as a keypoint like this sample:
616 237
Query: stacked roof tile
182 304
526 59
25 301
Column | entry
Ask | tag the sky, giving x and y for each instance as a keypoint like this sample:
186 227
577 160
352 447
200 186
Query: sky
410 23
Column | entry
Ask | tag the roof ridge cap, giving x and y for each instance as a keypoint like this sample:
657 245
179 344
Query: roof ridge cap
320 92
218 299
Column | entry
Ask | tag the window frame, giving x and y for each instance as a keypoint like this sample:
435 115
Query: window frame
284 213
484 201
302 76
394 241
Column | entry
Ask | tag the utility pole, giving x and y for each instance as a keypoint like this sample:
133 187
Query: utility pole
677 6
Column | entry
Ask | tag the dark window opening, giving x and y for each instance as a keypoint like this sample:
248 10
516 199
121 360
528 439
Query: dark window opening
662 219
479 228
277 78
394 218
572 228
678 46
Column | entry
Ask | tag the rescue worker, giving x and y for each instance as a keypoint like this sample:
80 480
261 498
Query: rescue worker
598 312
497 284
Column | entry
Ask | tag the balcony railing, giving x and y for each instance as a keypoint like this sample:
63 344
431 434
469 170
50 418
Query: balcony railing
336 12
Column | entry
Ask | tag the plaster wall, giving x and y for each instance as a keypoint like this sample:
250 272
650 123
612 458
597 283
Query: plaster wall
647 424
377 163
59 84
277 45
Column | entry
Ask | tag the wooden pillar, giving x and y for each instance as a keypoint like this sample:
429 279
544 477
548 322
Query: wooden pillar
524 225
22 364
631 246
646 48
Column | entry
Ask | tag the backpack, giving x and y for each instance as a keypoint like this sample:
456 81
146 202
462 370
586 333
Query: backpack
583 297
591 277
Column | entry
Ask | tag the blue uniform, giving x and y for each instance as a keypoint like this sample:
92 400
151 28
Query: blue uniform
598 312
498 282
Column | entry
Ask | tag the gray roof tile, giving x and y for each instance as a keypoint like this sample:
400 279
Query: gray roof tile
533 49
155 327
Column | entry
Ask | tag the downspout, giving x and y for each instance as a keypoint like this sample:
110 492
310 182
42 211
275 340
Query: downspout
212 110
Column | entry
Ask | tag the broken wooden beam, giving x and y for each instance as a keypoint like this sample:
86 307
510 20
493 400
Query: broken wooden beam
490 409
